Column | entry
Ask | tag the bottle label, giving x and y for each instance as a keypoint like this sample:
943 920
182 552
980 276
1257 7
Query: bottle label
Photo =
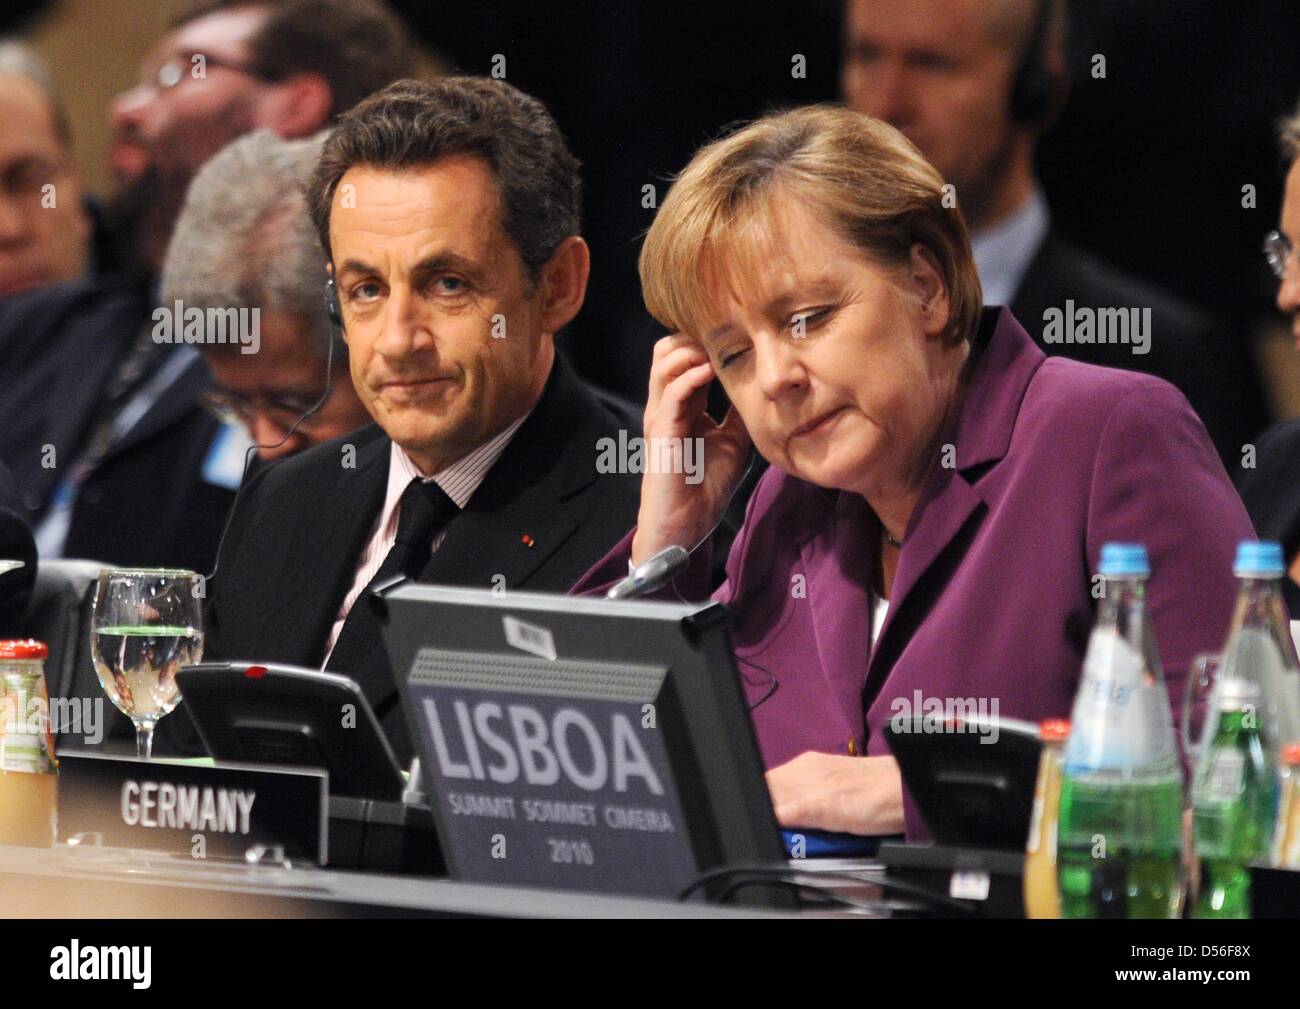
1224 776
23 753
24 719
1121 719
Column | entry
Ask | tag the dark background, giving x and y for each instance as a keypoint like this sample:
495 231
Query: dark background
1145 167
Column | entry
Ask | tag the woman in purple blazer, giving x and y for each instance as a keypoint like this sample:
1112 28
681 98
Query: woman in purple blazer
939 493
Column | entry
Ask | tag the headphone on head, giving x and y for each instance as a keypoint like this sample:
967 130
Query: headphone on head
1034 90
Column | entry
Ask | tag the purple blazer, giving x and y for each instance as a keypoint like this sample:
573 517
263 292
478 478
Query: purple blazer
992 597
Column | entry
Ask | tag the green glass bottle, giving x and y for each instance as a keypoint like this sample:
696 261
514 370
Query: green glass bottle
1233 798
1119 833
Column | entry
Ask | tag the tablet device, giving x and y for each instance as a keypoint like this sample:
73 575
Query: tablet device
279 714
972 779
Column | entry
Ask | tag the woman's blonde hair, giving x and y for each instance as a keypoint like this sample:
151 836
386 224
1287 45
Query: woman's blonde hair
858 175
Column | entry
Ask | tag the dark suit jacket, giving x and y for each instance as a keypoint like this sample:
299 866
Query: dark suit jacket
992 600
1214 371
148 503
1271 491
15 545
301 523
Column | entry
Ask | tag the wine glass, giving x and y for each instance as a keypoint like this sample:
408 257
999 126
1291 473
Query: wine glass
148 623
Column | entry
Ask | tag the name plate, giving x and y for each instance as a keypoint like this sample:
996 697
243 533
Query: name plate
220 811
550 789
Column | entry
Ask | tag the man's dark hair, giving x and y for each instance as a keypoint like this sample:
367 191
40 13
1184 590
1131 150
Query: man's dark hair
357 46
411 124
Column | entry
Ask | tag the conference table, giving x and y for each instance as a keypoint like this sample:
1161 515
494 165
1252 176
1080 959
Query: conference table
87 882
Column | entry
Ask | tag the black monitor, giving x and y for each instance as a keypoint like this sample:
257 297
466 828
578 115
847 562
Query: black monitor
577 743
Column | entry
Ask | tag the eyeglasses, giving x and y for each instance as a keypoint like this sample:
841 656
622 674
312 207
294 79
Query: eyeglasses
1278 251
173 71
237 408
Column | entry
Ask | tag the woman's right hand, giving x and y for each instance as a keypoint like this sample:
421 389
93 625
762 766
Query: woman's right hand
673 511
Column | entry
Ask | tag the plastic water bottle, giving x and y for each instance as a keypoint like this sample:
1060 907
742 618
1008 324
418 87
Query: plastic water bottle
1120 833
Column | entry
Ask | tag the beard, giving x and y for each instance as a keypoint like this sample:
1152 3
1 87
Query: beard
141 214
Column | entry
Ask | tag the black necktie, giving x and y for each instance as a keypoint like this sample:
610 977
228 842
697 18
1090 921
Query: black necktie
424 510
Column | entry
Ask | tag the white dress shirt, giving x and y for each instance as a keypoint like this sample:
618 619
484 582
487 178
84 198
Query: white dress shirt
1003 252
458 481
879 610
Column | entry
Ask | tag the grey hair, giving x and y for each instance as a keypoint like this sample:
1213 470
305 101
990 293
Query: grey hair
18 59
244 238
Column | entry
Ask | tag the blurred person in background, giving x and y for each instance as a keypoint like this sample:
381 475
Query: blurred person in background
102 425
245 241
45 223
1271 488
974 84
229 67
15 545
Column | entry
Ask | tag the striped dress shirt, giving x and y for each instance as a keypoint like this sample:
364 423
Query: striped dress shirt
459 481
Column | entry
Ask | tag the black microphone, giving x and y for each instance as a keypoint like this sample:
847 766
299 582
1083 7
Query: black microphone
648 577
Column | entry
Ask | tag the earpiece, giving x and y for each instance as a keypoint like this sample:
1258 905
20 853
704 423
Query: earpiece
332 303
1033 92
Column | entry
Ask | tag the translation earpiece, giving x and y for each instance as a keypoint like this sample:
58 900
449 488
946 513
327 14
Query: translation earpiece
332 303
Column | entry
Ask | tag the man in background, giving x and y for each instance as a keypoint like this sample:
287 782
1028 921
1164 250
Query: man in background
226 68
245 244
15 545
45 225
102 424
974 84
1270 485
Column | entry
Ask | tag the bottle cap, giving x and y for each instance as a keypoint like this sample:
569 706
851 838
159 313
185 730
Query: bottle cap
1291 754
1124 559
1235 691
23 648
1259 560
1053 730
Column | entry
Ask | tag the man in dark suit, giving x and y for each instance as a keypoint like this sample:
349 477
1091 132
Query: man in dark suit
974 84
1269 483
15 545
45 224
100 422
141 477
449 214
